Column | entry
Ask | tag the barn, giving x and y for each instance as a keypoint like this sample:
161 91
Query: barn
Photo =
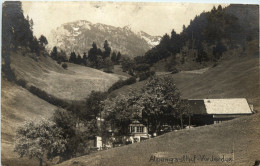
212 111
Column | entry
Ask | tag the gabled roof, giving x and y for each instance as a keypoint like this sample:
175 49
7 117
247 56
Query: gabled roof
219 106
227 106
136 122
197 106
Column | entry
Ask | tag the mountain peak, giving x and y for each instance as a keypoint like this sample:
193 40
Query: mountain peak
79 35
127 27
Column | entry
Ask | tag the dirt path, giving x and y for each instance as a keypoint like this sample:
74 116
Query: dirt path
200 71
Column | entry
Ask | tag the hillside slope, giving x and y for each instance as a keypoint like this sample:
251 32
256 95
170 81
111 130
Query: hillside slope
240 136
236 75
74 83
17 106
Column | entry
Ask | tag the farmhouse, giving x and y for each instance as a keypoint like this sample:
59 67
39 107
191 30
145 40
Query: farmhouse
201 111
212 111
138 131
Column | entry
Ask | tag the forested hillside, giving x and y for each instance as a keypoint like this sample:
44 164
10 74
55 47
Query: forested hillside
207 37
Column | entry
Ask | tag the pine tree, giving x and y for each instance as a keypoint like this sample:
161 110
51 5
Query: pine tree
73 57
107 50
118 57
43 41
84 59
16 29
54 53
79 59
113 57
35 47
31 24
92 53
219 8
176 42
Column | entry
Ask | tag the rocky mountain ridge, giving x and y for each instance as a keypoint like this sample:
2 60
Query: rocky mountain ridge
79 35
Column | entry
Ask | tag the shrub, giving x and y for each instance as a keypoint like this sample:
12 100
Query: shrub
174 71
22 83
122 83
116 85
49 98
130 81
64 65
35 58
108 71
145 75
142 67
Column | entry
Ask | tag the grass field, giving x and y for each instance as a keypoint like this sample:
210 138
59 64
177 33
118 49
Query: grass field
233 77
75 83
119 71
17 106
236 77
237 139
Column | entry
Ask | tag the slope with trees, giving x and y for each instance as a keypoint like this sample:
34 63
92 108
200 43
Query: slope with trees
157 104
96 58
207 37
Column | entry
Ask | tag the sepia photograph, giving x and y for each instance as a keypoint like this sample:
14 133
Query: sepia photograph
113 83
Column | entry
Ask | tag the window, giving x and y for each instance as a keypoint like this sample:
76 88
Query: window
140 129
132 129
217 121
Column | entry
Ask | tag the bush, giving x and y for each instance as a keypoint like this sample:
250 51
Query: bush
64 65
108 71
145 75
174 71
49 98
142 67
35 58
122 83
22 83
130 81
116 85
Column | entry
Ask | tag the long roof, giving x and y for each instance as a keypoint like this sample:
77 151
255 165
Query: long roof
220 106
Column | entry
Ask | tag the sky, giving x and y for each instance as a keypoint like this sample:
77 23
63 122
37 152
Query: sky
155 18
